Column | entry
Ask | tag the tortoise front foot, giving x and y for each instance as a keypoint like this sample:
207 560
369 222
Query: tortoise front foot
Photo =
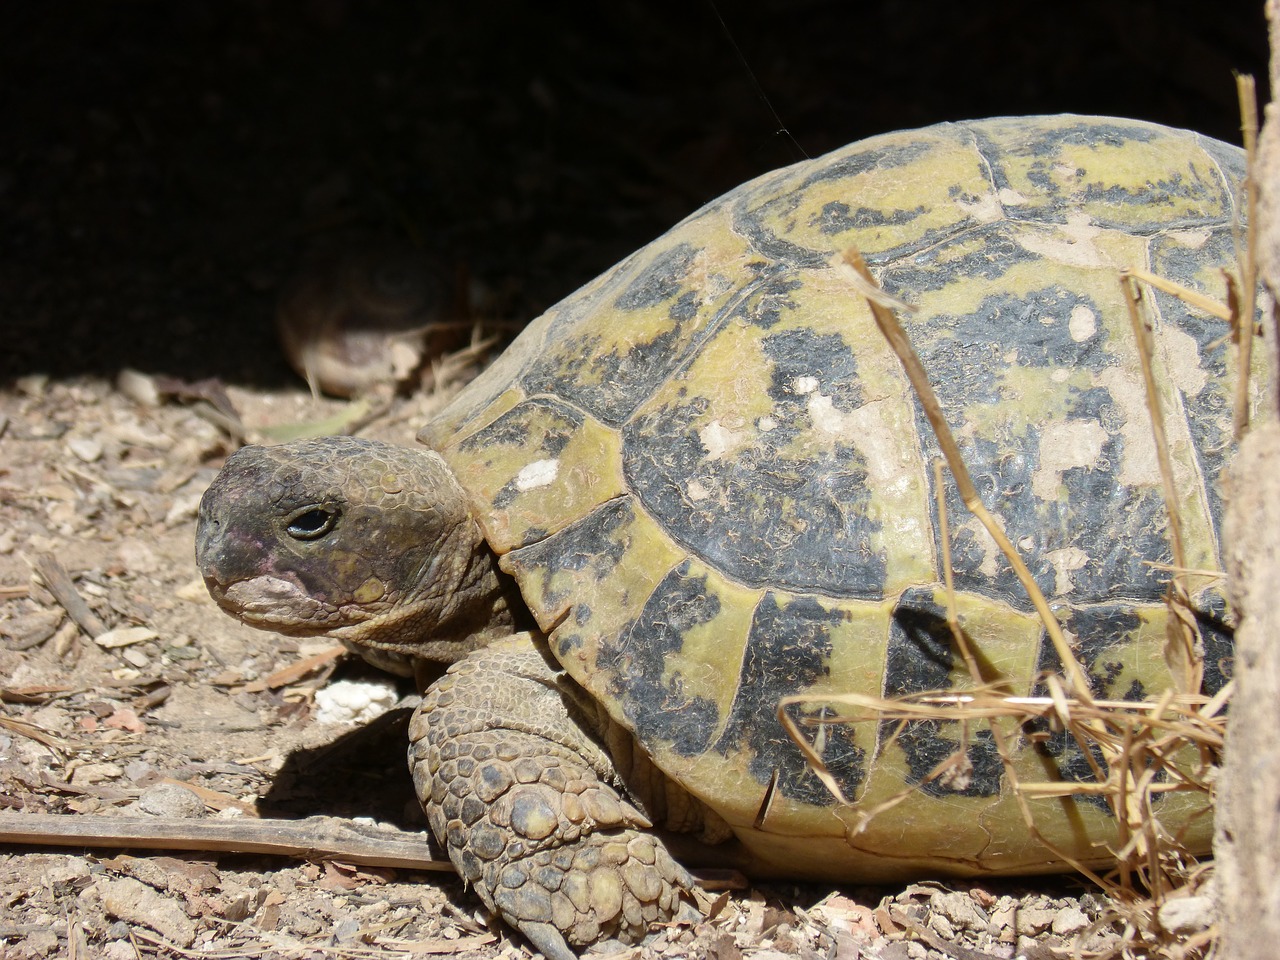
614 885
514 790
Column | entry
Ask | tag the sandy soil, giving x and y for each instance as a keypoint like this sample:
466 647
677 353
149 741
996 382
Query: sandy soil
172 166
174 691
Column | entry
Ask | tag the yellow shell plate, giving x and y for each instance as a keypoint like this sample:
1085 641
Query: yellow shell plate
713 483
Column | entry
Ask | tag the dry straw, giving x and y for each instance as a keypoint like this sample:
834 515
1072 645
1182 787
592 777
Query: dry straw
1144 746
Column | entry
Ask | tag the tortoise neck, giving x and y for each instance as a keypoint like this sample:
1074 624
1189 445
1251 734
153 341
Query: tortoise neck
463 602
486 604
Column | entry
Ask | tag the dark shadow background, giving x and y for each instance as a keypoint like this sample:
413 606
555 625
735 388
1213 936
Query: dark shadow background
164 164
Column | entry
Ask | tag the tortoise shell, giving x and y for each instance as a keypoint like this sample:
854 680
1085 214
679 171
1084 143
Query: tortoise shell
712 480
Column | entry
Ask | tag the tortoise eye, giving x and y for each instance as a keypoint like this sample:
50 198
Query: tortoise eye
312 523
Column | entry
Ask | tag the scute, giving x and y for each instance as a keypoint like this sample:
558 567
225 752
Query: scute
791 645
714 485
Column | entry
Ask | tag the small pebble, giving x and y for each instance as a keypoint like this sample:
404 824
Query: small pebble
1187 915
1035 921
85 448
1069 922
170 800
960 909
138 770
136 658
942 926
138 387
354 701
119 949
33 385
346 930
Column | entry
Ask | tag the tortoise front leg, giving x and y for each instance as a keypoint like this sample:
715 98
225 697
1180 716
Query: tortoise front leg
531 809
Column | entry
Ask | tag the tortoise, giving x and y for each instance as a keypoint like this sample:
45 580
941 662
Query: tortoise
701 484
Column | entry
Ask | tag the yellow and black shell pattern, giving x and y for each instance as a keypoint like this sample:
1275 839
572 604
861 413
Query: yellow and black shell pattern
713 483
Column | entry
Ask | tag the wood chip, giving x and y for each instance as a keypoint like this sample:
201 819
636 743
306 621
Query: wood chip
124 636
135 902
296 671
58 581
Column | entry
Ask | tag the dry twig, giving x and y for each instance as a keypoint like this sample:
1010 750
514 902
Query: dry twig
58 581
315 838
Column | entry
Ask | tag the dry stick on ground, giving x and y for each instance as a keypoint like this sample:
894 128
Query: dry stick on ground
315 838
59 583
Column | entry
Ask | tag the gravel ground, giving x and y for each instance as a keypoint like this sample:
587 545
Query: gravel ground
167 167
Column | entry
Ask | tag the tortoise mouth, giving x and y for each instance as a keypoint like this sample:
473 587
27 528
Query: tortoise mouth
273 603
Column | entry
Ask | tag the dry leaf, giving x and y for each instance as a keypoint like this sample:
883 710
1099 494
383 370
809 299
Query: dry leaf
124 719
124 637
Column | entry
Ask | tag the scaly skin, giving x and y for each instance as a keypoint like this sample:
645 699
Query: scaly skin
365 542
531 809
373 545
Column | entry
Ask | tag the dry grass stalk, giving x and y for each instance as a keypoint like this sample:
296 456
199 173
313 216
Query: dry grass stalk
1193 298
1144 744
450 369
1242 323
313 838
897 339
1183 641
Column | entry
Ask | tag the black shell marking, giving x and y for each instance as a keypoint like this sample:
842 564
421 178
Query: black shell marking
713 482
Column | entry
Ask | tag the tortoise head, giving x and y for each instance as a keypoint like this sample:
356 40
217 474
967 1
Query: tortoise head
366 542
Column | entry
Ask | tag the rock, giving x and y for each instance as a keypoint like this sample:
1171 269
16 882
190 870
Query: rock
138 387
170 800
1187 915
86 449
959 907
1035 921
124 636
354 701
135 902
1069 922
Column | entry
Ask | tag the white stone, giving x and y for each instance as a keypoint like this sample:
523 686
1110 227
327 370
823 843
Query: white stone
87 449
1069 922
354 701
124 636
1187 915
